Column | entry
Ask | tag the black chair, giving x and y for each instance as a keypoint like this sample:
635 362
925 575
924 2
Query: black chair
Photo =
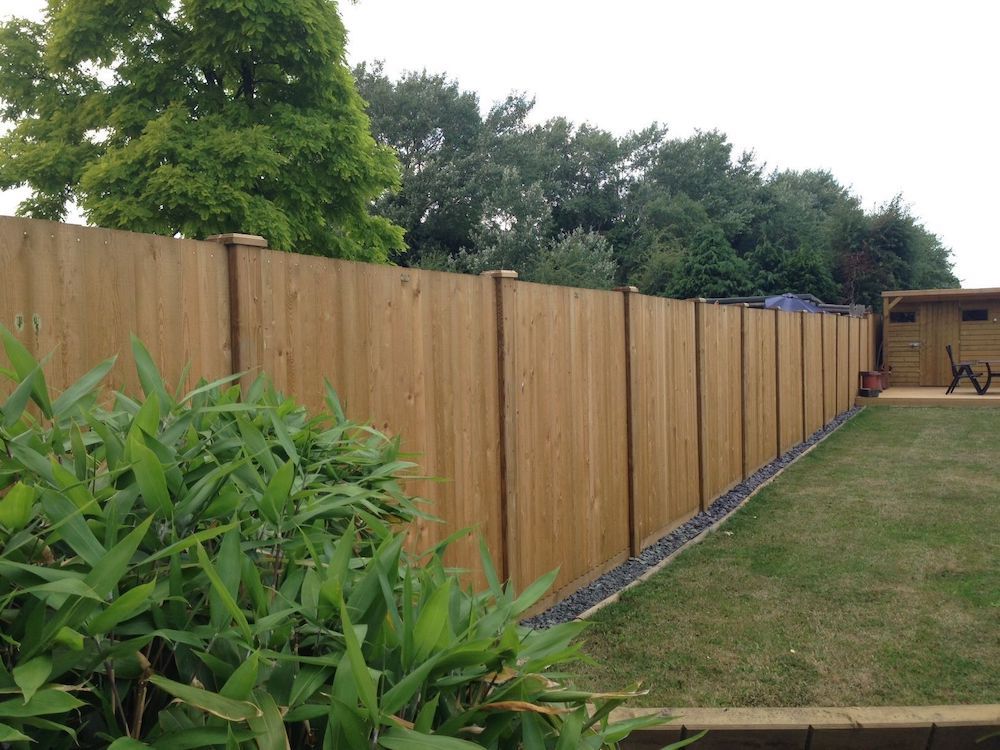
964 370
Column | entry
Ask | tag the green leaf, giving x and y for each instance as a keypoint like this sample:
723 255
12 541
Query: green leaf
42 703
203 700
362 677
15 405
15 507
398 738
24 365
202 737
32 675
534 592
220 589
69 638
129 604
149 375
243 679
81 388
113 565
150 477
269 727
432 621
9 734
127 743
275 496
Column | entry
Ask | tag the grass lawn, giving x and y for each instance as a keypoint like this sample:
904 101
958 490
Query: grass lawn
867 574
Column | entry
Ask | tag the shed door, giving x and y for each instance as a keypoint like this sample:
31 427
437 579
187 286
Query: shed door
939 326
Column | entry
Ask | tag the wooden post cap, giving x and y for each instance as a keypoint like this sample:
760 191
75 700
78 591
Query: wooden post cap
235 238
500 274
627 289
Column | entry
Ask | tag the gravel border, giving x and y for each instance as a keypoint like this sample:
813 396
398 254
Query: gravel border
632 569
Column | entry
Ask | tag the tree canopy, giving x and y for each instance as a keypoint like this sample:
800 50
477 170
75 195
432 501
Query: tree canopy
195 118
674 216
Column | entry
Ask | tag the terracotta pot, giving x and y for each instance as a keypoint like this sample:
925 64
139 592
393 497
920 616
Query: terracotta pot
872 379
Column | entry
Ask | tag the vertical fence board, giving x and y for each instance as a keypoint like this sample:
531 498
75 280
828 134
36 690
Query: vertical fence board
789 354
413 352
843 368
760 388
812 371
721 399
853 360
568 411
79 292
829 326
665 414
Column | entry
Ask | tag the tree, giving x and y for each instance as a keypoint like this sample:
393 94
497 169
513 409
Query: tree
711 269
438 135
580 258
194 118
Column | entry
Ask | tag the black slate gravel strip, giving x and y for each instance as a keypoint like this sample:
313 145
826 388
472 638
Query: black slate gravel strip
618 578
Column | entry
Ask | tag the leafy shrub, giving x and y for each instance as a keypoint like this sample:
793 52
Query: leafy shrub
208 570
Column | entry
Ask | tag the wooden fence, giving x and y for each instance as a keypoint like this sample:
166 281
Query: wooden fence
572 427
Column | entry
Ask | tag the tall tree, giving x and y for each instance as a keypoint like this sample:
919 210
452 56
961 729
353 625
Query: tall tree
438 135
193 118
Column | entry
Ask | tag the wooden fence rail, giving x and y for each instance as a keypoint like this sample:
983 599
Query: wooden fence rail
572 427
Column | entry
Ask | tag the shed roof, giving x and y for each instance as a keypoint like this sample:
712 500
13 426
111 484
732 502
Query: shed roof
942 295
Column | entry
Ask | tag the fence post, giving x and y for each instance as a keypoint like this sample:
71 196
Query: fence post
634 537
743 390
244 315
504 289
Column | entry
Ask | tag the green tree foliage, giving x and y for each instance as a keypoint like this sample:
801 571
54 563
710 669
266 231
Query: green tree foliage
711 268
194 118
579 258
513 189
222 569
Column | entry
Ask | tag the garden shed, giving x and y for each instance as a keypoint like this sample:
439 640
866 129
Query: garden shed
918 325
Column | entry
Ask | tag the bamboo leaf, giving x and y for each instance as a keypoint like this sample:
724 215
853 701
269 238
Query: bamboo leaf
129 604
149 375
42 703
149 476
127 743
15 507
269 727
9 734
399 738
24 365
203 700
243 679
275 496
220 588
32 675
81 388
15 405
432 621
362 677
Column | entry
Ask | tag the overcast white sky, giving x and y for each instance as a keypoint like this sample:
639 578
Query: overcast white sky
890 96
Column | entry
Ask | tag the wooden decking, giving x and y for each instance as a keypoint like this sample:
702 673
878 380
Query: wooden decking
919 396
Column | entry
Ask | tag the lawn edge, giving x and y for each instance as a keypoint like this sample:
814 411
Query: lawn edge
611 599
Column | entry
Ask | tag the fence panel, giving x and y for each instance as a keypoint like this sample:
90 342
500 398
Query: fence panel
790 401
720 397
760 388
830 400
812 371
854 360
413 352
843 368
568 475
78 293
665 414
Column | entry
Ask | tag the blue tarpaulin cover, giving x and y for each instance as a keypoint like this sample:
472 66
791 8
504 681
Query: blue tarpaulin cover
790 303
